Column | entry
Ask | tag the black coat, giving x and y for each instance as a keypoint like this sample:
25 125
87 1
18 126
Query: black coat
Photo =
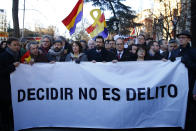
189 59
104 55
126 56
1 49
165 54
6 68
157 56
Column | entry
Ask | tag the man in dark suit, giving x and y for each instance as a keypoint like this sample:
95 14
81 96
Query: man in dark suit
99 53
9 60
121 54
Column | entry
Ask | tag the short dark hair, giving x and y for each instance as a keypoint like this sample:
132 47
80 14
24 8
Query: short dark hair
141 47
100 37
9 41
112 40
142 35
63 39
57 41
151 43
3 42
160 42
83 41
172 41
149 38
130 47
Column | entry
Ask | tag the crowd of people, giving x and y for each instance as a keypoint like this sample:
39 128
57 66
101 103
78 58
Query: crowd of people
58 49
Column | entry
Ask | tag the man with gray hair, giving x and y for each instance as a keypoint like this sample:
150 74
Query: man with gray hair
91 44
121 54
46 43
33 55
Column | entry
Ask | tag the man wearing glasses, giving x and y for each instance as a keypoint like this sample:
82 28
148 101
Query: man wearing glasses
188 57
184 45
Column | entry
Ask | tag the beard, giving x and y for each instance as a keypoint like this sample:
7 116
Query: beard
57 49
99 47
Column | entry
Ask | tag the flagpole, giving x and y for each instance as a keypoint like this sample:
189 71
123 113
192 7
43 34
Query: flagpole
23 20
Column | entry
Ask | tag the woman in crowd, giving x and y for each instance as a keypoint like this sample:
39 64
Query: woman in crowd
76 54
141 53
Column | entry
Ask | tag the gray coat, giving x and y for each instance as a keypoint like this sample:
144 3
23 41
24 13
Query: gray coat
81 57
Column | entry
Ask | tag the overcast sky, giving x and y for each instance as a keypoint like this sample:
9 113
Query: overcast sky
51 12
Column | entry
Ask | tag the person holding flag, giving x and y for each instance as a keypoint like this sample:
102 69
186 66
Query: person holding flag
33 55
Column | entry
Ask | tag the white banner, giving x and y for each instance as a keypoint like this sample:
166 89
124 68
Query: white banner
100 95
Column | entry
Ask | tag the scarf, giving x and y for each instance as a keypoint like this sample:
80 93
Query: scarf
55 53
74 57
13 53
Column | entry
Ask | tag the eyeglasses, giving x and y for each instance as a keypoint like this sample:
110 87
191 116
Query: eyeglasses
98 41
182 37
46 41
140 38
142 51
119 44
172 46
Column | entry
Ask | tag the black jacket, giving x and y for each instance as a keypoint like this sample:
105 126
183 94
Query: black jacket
126 56
6 68
188 57
157 56
104 55
180 51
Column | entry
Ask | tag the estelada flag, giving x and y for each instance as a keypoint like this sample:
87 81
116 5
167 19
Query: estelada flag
26 57
74 17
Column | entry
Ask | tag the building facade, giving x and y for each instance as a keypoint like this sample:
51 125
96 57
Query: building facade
171 17
3 25
145 18
166 19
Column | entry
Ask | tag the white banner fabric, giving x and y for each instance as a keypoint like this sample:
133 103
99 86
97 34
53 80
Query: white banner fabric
100 95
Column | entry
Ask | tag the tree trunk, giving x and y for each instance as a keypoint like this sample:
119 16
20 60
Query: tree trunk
15 18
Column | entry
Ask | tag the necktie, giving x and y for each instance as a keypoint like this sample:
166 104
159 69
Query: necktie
119 55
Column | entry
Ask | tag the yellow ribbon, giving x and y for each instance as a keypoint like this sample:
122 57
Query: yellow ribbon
99 27
96 20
